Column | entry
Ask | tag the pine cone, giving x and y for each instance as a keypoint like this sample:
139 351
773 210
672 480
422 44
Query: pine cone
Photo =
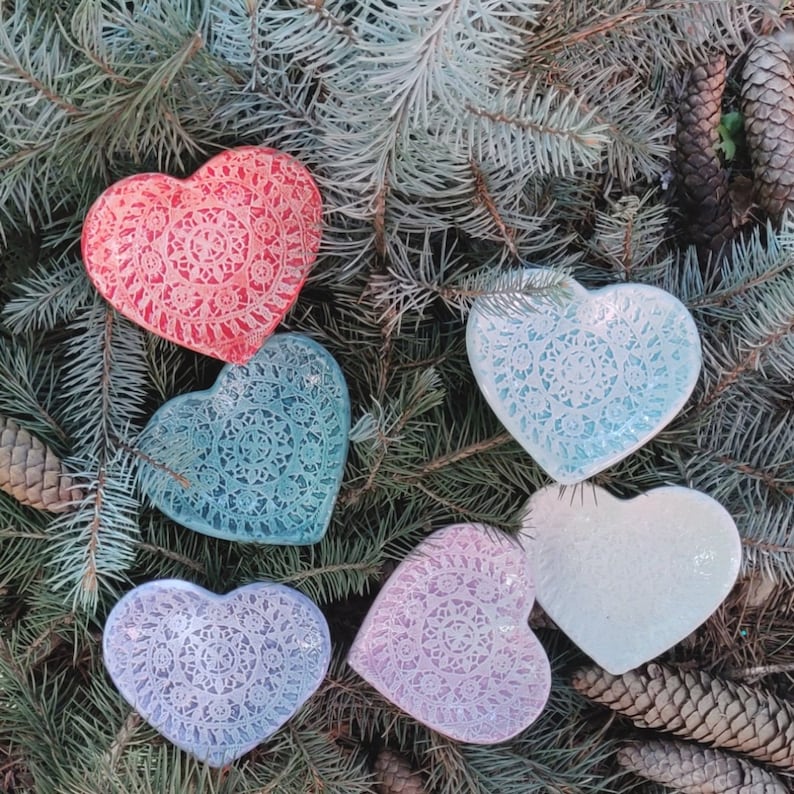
694 705
768 109
697 770
395 775
31 472
702 181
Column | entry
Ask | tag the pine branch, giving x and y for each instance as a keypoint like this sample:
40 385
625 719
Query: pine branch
418 396
104 390
629 236
92 548
486 199
451 458
340 565
675 33
772 331
27 388
526 128
420 62
46 299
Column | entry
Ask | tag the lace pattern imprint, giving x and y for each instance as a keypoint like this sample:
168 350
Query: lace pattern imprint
582 384
447 638
261 453
211 262
216 675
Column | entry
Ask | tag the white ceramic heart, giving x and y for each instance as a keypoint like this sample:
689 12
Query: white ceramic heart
628 579
583 382
447 639
216 675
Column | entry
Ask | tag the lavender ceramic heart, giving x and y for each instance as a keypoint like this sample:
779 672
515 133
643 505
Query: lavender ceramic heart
447 638
582 383
628 579
259 456
216 675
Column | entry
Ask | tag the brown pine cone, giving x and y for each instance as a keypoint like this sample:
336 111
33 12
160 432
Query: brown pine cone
768 109
31 472
395 775
702 181
697 770
692 704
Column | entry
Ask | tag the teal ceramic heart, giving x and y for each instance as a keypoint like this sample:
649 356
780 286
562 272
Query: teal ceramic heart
259 456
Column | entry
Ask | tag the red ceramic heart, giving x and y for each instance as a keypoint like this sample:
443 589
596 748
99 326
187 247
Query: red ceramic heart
211 262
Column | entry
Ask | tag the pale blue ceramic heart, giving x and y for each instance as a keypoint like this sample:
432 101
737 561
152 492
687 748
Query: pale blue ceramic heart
583 382
216 675
260 455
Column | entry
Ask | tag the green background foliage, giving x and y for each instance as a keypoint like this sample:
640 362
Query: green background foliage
452 140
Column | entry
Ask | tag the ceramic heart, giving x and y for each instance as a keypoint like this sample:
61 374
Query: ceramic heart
211 262
582 383
216 675
259 456
447 639
628 579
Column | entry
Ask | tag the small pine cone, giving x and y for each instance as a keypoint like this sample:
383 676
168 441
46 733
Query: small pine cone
31 472
697 770
702 181
692 704
395 775
768 109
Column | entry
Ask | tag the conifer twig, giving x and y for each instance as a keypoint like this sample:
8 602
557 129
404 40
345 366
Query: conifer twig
170 554
724 297
753 674
121 739
148 459
627 16
450 458
775 548
748 363
484 197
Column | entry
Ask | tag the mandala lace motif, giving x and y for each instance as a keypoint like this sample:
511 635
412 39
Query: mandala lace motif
447 639
583 384
261 454
213 261
214 674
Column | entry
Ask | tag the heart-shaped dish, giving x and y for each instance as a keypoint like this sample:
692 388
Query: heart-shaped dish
448 641
585 381
628 579
260 455
216 675
211 262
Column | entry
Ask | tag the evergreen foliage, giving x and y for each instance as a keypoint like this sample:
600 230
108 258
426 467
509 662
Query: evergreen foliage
452 140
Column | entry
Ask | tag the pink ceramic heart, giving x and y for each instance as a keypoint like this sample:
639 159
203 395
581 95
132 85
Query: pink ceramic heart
447 639
211 262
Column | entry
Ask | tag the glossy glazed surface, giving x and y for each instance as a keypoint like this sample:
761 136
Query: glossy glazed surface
628 579
216 675
582 383
211 262
259 456
447 638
